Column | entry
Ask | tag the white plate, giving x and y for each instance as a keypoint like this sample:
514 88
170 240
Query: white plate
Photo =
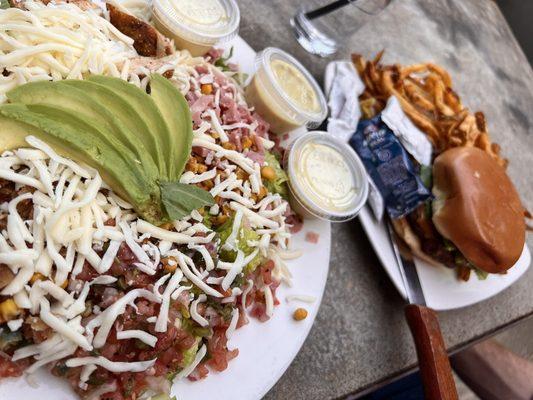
442 289
265 349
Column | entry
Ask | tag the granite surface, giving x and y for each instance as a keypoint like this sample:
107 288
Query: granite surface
360 338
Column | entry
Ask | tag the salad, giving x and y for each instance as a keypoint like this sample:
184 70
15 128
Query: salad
96 286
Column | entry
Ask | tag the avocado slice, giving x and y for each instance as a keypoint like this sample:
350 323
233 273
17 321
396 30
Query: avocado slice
122 110
77 138
176 112
147 110
13 133
70 98
94 131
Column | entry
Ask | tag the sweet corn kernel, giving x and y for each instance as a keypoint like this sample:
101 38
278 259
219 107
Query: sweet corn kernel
300 314
262 193
268 173
201 168
206 88
241 173
37 277
246 142
169 264
9 310
167 226
229 146
219 219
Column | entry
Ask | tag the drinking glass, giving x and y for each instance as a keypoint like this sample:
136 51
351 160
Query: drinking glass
321 27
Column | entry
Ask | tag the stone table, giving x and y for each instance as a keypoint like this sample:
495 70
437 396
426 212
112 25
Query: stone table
360 339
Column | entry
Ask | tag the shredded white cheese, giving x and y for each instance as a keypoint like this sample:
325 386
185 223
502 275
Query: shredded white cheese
112 366
145 337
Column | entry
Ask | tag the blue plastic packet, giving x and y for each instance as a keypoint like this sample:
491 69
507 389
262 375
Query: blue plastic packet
389 166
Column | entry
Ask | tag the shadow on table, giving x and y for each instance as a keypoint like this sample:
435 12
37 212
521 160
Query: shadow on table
408 388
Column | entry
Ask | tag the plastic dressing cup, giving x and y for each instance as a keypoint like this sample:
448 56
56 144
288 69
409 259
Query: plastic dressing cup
327 180
284 93
197 25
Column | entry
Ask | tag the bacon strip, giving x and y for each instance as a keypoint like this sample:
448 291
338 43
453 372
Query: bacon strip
147 40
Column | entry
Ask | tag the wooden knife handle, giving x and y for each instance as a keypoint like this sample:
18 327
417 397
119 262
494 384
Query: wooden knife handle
434 364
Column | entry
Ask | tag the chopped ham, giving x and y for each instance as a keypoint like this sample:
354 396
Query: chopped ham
231 113
256 157
200 151
262 126
259 143
214 54
201 69
199 106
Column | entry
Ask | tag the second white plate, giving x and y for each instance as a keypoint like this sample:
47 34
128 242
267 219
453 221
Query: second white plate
442 289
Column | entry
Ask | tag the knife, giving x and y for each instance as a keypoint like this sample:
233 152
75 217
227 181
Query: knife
435 369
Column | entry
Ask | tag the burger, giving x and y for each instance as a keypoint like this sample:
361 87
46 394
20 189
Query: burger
475 221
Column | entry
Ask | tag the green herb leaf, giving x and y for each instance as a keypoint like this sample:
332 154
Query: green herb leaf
4 4
222 62
180 199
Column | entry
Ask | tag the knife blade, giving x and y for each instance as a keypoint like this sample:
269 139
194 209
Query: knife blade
407 268
435 368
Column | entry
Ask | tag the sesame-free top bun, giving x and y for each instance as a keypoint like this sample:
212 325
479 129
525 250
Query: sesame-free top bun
477 208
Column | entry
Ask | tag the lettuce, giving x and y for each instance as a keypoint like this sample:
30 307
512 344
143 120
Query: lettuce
245 234
189 354
481 275
188 358
279 185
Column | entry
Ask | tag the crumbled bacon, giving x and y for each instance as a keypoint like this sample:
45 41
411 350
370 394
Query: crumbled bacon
147 40
6 276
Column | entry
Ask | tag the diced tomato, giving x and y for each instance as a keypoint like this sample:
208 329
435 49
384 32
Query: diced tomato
266 272
243 319
295 222
110 222
312 237
10 368
112 396
259 311
131 385
218 350
125 254
110 350
200 372
87 273
184 340
166 339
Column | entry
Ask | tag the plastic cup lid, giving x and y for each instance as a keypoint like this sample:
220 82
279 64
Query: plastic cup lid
314 192
202 22
264 61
